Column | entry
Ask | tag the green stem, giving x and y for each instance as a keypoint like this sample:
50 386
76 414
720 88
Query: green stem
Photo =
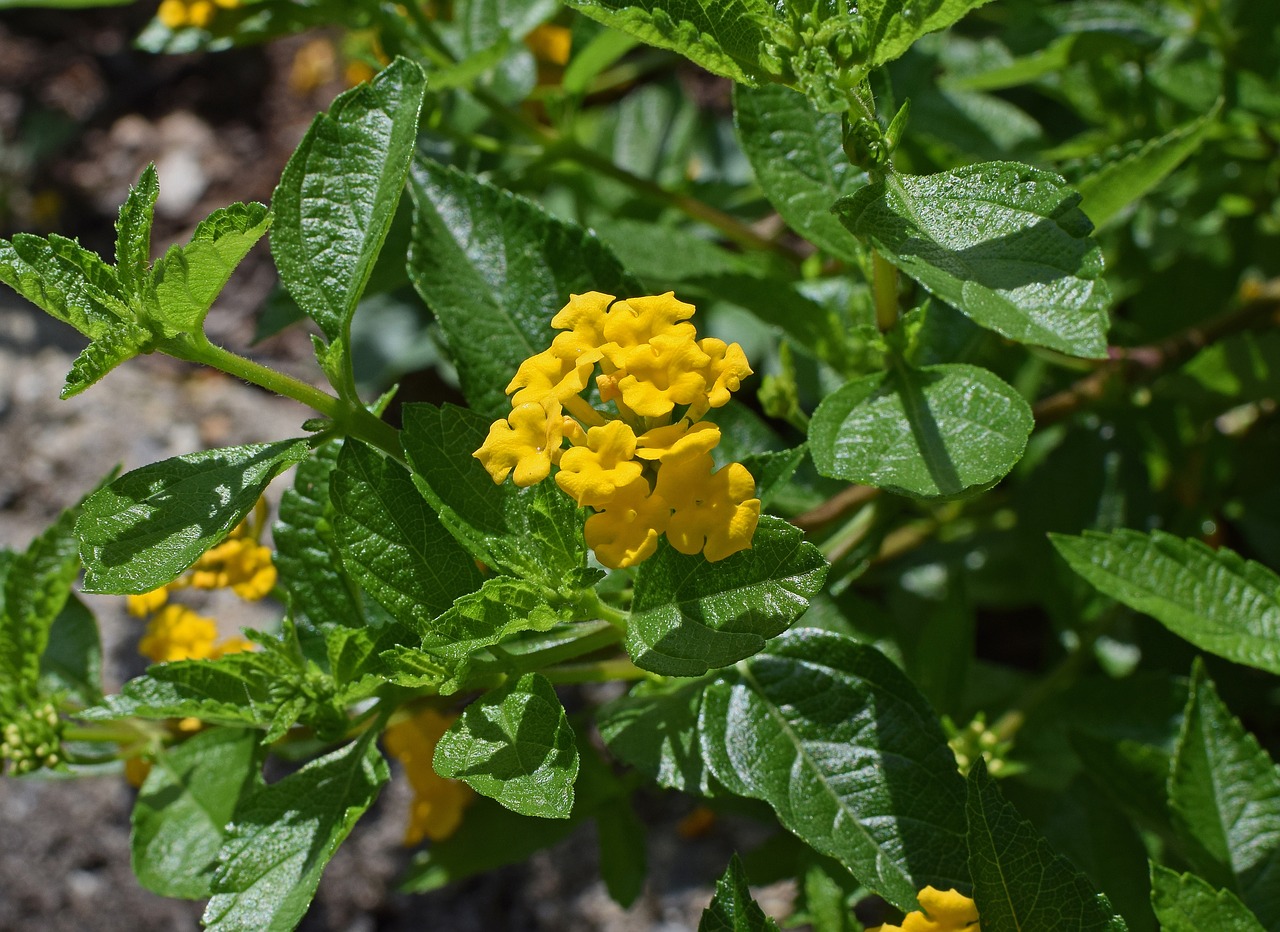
113 734
595 638
884 285
615 616
599 671
352 419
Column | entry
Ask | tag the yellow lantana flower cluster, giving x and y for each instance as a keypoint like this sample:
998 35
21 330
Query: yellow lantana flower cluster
940 911
438 803
648 470
177 14
239 563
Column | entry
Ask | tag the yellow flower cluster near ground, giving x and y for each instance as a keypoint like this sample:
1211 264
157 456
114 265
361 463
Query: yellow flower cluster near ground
940 911
438 803
178 14
239 563
648 471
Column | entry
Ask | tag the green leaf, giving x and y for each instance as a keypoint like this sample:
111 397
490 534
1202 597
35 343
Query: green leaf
1019 882
799 161
935 431
848 753
36 584
1121 182
732 909
1216 599
688 618
535 533
1186 903
239 689
392 542
65 280
471 849
133 234
282 836
104 354
727 37
892 26
514 744
188 278
338 194
654 729
1004 243
501 607
149 525
72 659
620 835
320 595
1224 791
182 811
495 268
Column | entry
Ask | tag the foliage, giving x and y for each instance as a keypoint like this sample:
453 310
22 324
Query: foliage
993 285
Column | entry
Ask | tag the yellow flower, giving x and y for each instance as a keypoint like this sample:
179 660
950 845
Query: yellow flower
175 14
438 803
178 633
626 531
940 911
715 512
140 606
232 645
550 377
525 442
593 474
677 441
651 363
583 317
636 321
172 13
238 563
663 373
726 370
550 43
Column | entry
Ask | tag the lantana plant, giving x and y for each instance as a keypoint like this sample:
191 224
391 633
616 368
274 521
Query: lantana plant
928 552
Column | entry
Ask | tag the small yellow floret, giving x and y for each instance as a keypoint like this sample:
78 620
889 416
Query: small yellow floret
726 370
593 474
549 377
172 14
200 13
178 633
635 321
238 563
252 573
626 531
525 442
715 513
665 372
140 606
233 645
677 441
438 803
940 911
550 43
583 317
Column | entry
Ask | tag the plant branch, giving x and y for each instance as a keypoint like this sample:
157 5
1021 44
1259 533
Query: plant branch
1134 365
1259 305
351 419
